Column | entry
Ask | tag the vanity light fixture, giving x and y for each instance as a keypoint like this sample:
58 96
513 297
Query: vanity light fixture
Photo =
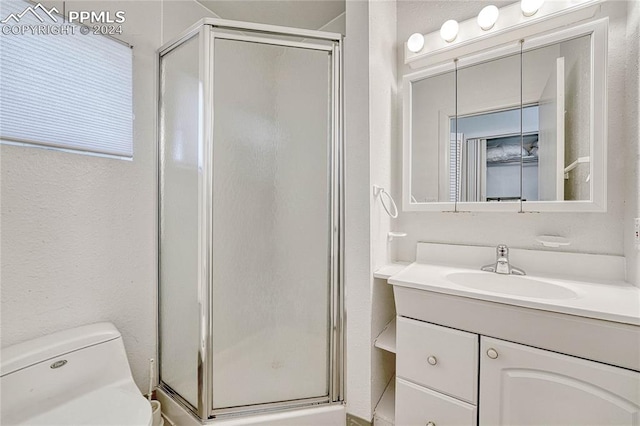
449 30
494 25
488 16
415 42
530 7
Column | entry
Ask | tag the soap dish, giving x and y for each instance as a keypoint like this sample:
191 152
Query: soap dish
552 241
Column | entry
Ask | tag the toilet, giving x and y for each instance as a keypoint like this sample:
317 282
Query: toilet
74 377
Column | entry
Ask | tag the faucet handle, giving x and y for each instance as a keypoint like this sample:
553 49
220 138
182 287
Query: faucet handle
502 250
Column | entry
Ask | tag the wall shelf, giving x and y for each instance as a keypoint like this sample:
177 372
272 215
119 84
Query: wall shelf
387 339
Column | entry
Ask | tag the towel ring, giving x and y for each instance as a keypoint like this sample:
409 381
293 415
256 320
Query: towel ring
387 201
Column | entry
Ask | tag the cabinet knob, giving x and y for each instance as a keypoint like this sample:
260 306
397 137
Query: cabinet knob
492 353
431 424
433 361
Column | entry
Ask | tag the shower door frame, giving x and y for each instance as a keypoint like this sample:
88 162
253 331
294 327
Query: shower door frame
207 31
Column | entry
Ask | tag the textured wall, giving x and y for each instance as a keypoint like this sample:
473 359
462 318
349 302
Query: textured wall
383 130
79 232
178 15
577 88
78 239
632 115
357 206
588 232
370 76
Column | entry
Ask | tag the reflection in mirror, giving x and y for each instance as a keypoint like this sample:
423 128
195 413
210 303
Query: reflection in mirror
558 79
490 159
433 104
488 132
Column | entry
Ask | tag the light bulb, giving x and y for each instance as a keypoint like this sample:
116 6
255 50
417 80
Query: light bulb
449 30
530 7
488 16
415 42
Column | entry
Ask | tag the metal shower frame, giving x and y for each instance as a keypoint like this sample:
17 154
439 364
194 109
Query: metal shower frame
207 30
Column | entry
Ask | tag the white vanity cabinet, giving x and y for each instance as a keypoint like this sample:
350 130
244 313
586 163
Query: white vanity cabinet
478 348
440 369
520 385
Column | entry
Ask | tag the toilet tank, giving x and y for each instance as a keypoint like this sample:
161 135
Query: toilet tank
50 371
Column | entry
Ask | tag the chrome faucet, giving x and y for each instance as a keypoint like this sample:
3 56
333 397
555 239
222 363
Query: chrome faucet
502 265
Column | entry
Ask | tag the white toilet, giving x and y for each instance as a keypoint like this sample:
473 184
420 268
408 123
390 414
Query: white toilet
75 377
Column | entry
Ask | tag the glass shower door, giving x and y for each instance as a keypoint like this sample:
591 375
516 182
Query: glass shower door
271 215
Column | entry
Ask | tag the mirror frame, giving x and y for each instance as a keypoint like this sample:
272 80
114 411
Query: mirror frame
598 30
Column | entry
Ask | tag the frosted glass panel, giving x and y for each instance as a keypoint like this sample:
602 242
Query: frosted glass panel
179 321
271 224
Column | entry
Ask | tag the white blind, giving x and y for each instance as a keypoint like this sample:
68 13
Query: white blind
455 155
66 90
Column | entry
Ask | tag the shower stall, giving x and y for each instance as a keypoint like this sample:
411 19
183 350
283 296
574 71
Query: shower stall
250 219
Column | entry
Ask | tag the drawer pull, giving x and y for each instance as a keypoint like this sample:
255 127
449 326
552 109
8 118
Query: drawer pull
433 361
492 353
431 424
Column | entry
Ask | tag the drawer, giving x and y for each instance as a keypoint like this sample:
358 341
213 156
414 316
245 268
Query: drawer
438 357
418 406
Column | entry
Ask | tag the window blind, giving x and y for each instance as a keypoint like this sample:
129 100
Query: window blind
68 90
455 154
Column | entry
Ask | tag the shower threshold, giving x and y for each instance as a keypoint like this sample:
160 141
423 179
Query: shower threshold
322 415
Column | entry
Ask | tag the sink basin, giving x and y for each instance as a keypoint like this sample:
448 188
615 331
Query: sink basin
513 285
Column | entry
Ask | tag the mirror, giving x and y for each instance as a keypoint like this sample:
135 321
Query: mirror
557 79
432 156
487 127
516 129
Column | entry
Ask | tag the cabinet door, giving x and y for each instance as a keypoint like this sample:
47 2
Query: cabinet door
418 406
520 385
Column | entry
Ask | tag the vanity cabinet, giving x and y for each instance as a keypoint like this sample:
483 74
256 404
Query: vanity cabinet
440 369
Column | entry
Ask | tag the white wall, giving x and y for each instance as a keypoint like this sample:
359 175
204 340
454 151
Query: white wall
336 25
178 15
357 215
588 232
577 89
79 232
370 76
632 115
382 132
309 14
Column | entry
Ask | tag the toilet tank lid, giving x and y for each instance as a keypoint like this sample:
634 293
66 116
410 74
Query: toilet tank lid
25 354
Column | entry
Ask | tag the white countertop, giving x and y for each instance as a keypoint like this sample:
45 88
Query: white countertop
613 300
390 270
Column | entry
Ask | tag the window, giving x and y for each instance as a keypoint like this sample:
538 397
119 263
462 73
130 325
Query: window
60 87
